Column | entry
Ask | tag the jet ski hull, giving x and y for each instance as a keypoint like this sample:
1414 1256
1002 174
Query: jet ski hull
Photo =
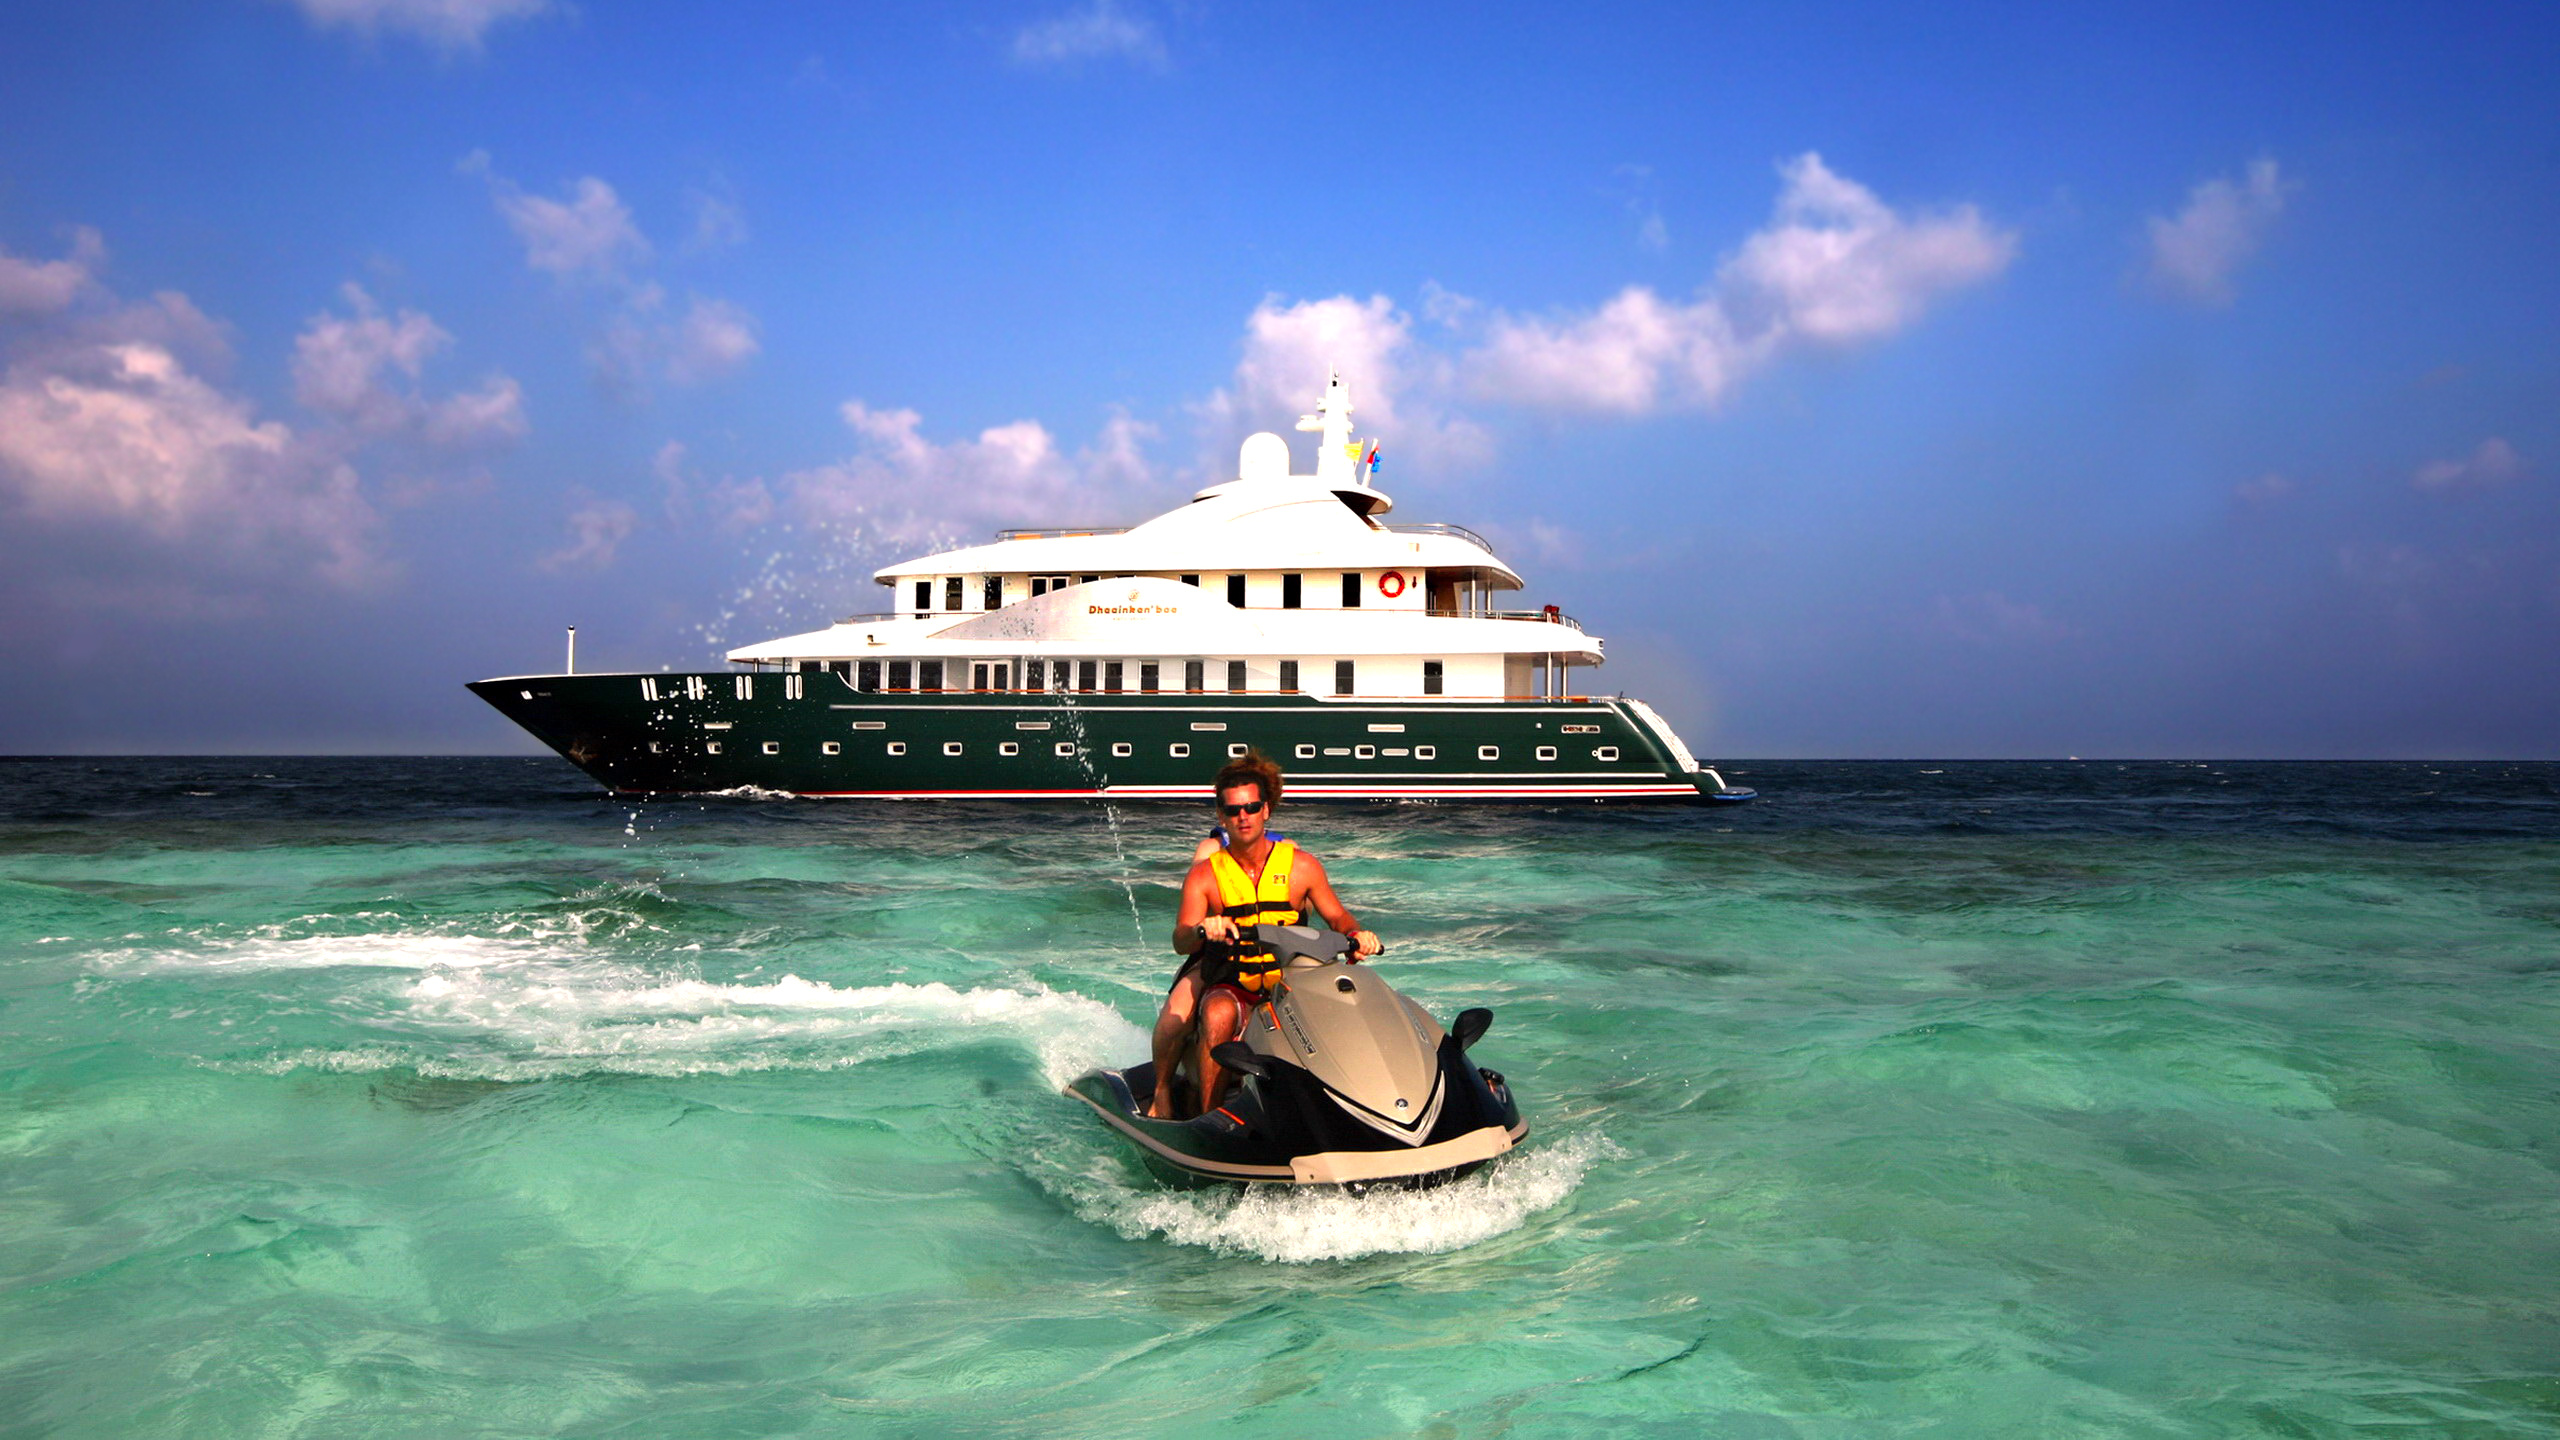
1286 1129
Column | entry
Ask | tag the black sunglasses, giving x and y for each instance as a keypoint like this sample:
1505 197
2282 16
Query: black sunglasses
1233 810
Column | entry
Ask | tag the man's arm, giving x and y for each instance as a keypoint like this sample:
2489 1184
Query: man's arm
1318 889
1199 899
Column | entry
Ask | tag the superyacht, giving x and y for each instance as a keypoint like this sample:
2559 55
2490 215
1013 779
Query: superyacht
1276 611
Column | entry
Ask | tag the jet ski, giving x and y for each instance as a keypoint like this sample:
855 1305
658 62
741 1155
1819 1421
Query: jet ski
1339 1081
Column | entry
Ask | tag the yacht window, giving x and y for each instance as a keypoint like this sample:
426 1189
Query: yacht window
1111 676
1084 674
1195 677
1235 676
1350 589
1178 750
866 675
1120 747
1236 751
694 689
1039 586
746 685
648 687
950 747
995 592
790 687
653 747
711 747
1546 752
1289 677
928 674
1289 591
1341 677
1235 591
924 595
1035 674
1364 752
951 592
1426 752
1488 752
1089 579
831 747
902 675
1064 749
1010 747
1433 682
897 747
1306 752
979 676
773 747
1605 752
1149 677
870 724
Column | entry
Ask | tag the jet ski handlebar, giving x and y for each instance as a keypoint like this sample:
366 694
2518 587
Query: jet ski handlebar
1299 946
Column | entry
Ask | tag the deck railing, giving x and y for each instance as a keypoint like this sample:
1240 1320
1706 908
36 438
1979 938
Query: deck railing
1440 527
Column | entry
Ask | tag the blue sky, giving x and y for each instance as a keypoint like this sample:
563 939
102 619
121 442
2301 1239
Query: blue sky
2030 381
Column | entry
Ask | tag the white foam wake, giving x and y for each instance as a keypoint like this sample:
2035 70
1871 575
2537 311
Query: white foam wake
1299 1225
556 1019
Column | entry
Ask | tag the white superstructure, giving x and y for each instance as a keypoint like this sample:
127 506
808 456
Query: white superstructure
1272 581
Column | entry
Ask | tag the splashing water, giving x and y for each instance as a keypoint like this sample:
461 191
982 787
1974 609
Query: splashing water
1110 812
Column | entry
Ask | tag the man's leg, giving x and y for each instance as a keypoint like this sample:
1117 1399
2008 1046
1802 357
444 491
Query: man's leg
1221 1020
1172 1025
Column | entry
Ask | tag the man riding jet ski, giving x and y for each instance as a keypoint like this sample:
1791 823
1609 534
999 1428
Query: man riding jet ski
1343 1081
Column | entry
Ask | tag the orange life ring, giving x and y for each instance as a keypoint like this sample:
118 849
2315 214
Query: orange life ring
1391 584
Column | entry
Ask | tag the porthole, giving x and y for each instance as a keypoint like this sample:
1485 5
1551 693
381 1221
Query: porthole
1306 752
897 747
1064 750
711 747
950 747
1009 748
1235 752
1365 752
1121 747
831 747
1488 752
1178 750
1426 752
1605 752
654 748
1546 752
773 747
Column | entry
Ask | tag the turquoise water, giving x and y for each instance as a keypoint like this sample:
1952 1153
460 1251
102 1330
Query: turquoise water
446 1098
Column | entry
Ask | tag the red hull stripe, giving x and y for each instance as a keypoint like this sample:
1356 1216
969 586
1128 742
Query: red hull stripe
1201 792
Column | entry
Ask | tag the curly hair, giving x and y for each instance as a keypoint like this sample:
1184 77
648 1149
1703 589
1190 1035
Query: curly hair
1251 768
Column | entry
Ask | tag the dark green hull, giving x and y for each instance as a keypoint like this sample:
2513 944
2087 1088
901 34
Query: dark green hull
813 734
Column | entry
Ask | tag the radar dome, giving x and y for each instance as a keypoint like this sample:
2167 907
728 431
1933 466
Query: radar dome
1265 457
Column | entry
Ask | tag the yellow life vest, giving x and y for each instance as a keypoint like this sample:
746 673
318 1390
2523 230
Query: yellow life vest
1244 903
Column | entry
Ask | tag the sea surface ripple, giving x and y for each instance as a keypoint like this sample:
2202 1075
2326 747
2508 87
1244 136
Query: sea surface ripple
360 1097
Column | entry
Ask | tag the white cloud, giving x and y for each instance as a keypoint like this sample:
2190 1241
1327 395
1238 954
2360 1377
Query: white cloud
902 488
46 287
1099 31
340 366
2492 462
1836 266
718 224
1396 386
2193 255
587 231
714 338
452 24
597 529
123 454
123 440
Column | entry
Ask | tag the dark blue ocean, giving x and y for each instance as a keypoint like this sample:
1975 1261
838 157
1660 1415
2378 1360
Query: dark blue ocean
362 1097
